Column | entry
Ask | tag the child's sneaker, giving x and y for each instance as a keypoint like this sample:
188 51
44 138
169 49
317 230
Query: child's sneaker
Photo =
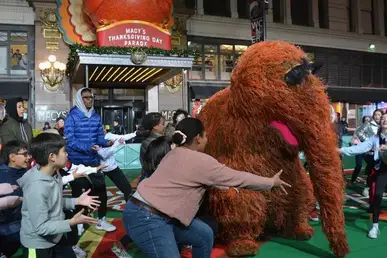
366 192
104 225
79 252
374 232
314 215
120 251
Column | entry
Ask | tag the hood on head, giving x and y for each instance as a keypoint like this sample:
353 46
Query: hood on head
12 110
80 105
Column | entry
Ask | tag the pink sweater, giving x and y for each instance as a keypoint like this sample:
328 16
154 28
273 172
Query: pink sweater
8 201
177 187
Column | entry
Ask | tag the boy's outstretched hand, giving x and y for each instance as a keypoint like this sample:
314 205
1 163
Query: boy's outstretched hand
79 218
88 201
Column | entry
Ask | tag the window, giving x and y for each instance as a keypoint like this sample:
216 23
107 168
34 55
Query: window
239 49
196 72
215 61
226 61
18 53
323 15
19 36
3 60
367 16
14 52
301 12
351 17
243 9
217 7
278 11
211 62
3 36
385 18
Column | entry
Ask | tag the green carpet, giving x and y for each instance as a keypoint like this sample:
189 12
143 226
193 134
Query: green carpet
357 226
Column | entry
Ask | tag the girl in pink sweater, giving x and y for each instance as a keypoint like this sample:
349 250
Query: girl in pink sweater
162 210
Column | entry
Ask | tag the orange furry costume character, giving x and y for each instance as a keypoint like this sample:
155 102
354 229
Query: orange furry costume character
271 116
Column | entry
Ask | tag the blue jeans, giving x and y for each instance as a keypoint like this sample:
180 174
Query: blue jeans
156 236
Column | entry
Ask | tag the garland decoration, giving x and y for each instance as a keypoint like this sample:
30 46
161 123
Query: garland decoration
74 49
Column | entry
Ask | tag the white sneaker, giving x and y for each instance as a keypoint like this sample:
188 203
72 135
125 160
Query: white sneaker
79 252
374 232
104 225
119 251
366 192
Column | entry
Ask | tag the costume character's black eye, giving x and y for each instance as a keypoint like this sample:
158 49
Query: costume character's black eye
298 73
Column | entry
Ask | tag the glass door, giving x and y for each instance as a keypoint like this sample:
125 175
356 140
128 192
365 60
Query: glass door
109 115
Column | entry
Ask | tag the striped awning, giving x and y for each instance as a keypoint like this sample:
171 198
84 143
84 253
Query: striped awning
118 71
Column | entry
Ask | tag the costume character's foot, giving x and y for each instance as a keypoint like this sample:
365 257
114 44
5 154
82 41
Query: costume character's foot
339 246
304 232
242 248
300 232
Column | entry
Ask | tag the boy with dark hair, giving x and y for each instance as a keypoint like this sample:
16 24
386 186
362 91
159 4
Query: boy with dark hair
43 225
15 164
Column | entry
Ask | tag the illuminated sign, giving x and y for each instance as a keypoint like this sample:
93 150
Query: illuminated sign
50 115
168 114
134 34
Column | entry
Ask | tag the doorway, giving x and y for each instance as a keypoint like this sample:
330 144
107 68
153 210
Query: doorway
121 114
129 117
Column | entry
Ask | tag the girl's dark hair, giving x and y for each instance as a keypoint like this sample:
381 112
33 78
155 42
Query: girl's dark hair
190 127
153 155
178 113
380 128
377 110
151 120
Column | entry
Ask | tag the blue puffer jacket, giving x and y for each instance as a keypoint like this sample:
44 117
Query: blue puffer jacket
81 134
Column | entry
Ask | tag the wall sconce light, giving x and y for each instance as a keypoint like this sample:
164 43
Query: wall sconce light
52 73
372 46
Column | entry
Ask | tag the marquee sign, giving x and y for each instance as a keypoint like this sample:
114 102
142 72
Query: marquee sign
134 34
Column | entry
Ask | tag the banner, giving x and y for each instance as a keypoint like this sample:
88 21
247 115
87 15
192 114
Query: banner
133 34
258 19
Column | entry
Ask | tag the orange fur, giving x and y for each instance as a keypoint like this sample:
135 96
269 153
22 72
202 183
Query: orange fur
237 125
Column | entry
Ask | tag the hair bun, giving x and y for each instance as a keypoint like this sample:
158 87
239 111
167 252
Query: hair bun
177 139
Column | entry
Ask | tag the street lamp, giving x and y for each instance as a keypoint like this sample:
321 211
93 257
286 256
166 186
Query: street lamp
52 73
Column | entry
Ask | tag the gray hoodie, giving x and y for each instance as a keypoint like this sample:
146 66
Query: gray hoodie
43 222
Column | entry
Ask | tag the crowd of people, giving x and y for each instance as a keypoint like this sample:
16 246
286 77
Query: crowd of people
368 144
163 215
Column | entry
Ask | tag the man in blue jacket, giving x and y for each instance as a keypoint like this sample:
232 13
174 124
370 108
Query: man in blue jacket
84 134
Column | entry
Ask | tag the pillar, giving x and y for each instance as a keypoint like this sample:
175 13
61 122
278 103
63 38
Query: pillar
200 7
